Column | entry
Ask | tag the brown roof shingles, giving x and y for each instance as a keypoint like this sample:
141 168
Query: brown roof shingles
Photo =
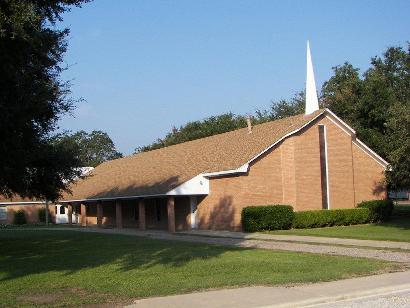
158 171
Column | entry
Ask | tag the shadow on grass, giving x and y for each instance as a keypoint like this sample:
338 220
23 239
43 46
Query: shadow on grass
27 252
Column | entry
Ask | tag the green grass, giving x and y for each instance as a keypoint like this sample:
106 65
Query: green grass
397 229
68 268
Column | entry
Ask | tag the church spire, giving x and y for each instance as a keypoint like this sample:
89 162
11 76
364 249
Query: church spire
312 103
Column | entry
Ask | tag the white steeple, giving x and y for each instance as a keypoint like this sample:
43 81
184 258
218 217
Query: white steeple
312 103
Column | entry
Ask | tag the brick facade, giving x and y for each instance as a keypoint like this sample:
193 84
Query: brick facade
290 173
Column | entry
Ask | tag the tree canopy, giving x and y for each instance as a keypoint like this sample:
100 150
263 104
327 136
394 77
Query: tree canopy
33 98
377 106
93 148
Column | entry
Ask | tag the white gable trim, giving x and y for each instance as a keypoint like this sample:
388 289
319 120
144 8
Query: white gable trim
360 144
22 202
242 169
284 137
370 152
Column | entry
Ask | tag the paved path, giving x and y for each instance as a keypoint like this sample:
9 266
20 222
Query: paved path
397 299
381 288
302 238
386 255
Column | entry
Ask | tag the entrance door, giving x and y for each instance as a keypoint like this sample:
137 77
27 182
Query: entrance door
194 211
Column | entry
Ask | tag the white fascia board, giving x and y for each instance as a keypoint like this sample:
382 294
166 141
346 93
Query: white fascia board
371 153
360 144
286 136
22 203
242 169
198 185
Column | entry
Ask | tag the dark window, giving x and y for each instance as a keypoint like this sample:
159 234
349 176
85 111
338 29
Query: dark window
62 210
136 213
323 165
158 210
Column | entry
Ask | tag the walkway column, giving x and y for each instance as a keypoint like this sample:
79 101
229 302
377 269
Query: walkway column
99 214
83 215
171 214
70 213
141 214
118 214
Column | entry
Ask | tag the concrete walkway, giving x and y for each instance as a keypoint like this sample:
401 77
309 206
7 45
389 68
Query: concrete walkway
302 238
296 296
386 255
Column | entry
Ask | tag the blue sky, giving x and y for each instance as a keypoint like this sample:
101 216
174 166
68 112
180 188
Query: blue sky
145 66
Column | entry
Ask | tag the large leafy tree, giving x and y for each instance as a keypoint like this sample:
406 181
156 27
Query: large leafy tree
93 148
33 98
282 108
378 107
198 129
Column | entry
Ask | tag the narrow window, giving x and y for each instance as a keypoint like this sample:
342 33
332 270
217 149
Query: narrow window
324 167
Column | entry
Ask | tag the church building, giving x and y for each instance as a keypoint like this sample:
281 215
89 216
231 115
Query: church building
310 161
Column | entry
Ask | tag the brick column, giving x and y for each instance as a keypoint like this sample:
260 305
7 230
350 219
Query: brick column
141 214
99 214
83 215
118 214
171 214
70 213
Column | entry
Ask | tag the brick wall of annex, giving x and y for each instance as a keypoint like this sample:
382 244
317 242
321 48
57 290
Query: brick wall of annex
368 176
290 174
30 210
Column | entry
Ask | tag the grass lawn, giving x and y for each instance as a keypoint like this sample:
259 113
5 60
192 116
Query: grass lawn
397 229
68 268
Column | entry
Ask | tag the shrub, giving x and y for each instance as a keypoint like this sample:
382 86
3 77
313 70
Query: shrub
42 215
19 218
270 217
380 210
327 218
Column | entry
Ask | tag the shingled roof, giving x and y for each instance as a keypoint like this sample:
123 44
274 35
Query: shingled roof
159 171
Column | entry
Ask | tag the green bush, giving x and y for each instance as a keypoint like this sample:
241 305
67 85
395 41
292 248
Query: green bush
19 218
270 217
42 215
380 210
328 218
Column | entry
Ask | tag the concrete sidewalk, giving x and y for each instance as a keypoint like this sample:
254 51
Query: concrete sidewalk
301 238
296 296
361 252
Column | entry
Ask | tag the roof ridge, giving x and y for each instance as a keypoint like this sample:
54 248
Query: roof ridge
220 134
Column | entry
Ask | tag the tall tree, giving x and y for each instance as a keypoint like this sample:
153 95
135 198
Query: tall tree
33 98
198 129
378 107
93 148
282 108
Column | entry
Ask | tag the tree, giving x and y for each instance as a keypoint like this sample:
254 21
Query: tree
198 129
283 108
33 98
377 106
93 148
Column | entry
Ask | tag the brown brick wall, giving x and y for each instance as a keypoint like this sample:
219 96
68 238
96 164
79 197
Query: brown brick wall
368 176
31 211
340 166
221 209
290 174
307 169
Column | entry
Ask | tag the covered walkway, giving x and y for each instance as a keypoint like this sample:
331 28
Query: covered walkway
170 213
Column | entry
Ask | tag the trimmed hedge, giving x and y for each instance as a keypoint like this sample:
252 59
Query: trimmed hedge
328 218
19 218
42 215
380 210
271 217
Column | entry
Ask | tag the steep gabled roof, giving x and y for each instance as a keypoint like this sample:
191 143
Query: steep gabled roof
159 171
